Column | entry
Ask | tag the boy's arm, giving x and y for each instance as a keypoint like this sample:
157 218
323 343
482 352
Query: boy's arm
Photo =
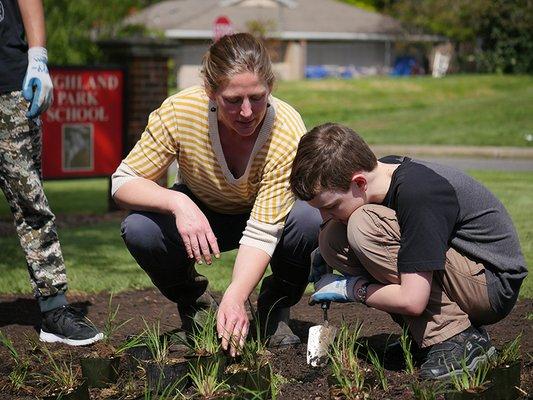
410 297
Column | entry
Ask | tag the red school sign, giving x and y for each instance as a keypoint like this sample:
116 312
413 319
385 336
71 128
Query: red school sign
83 129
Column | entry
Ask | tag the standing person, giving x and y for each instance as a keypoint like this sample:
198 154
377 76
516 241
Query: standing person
25 92
234 144
415 239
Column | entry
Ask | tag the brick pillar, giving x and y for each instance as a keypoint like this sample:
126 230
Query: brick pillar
145 61
147 88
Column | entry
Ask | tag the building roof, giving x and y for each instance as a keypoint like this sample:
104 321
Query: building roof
286 19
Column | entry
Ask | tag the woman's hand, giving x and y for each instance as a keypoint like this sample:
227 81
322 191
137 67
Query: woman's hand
193 226
232 323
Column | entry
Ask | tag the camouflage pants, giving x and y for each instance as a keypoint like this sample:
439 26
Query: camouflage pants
20 180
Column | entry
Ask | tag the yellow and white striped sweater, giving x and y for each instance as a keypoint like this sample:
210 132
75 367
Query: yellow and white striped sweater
185 129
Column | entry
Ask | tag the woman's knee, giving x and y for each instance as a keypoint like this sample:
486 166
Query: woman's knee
304 222
300 235
141 232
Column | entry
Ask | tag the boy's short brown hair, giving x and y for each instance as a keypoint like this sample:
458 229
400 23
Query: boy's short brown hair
326 159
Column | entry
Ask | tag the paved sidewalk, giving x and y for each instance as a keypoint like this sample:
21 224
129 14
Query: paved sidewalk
466 157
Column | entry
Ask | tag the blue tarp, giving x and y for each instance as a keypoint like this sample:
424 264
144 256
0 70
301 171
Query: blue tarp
404 66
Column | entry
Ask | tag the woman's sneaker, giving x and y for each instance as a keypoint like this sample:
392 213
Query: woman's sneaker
445 359
67 325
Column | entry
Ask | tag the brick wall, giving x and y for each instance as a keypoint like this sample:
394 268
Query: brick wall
145 61
147 88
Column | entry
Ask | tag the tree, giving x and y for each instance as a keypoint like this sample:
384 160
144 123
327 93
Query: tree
72 27
496 34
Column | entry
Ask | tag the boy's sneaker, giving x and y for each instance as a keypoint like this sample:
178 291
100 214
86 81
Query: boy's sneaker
444 359
67 325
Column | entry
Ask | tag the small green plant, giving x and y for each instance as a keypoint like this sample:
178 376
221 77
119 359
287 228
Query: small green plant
111 325
33 343
405 343
379 368
254 353
204 340
8 344
347 374
17 377
466 379
168 393
276 382
61 376
206 380
254 394
509 353
157 345
426 391
134 341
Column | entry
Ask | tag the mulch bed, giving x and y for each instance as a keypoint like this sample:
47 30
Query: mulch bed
19 316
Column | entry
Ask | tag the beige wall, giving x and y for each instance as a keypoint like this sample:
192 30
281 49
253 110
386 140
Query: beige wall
295 55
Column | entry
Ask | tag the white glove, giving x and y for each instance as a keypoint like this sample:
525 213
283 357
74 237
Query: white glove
37 87
337 288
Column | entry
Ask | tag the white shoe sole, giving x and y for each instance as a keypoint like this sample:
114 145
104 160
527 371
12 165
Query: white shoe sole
54 338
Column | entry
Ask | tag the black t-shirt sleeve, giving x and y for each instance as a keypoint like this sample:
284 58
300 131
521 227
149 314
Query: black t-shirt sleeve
427 208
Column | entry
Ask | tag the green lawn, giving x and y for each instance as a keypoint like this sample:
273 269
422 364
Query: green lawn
80 196
98 260
484 110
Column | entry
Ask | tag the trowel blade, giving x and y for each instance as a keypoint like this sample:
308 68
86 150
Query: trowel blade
318 342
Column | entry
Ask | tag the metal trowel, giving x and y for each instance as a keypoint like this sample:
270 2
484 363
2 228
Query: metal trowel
320 336
319 339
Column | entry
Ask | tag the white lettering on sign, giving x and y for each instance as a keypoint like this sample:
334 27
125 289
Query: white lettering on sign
76 99
103 82
75 82
77 114
67 82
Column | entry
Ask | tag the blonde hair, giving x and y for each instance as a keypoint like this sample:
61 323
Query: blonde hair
235 54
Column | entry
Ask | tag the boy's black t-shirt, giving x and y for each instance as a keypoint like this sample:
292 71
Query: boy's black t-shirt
439 207
13 47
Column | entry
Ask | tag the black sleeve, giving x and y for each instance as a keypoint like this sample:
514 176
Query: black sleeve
427 209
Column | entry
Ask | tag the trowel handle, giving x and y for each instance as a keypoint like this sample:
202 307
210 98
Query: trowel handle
325 307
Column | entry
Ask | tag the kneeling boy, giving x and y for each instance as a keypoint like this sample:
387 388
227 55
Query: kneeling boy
412 238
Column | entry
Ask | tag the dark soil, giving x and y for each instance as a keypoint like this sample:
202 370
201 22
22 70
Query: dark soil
19 316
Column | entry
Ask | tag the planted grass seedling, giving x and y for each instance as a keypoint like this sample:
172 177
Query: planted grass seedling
426 390
471 385
100 367
506 369
206 380
203 344
379 369
252 373
204 339
162 372
62 380
17 377
347 379
405 343
170 392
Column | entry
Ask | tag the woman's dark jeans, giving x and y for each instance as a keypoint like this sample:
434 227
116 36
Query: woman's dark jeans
154 242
